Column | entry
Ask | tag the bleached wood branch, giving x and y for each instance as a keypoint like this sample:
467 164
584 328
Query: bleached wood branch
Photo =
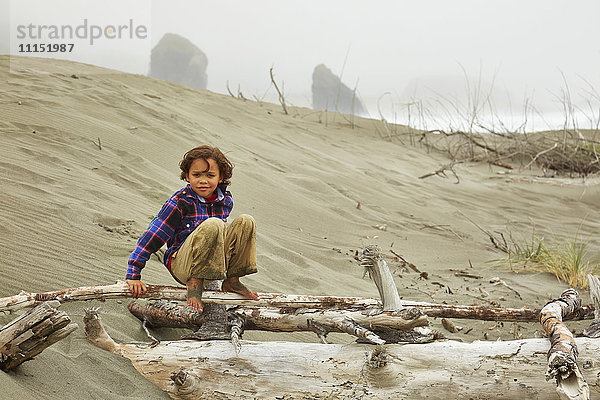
121 290
352 328
593 331
319 330
237 328
95 332
379 271
539 154
594 284
273 319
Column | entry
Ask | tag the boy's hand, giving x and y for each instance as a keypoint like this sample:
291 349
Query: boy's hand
136 287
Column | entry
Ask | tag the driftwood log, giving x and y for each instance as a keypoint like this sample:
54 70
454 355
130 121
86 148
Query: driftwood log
165 314
188 369
121 290
562 356
29 334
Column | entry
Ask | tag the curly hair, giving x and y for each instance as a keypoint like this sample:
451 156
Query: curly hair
205 152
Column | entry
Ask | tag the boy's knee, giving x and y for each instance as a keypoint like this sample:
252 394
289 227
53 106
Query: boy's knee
212 225
213 221
246 220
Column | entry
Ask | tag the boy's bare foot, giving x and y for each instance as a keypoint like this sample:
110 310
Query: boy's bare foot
233 284
194 293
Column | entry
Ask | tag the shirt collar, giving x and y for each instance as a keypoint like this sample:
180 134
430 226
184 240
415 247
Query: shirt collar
220 193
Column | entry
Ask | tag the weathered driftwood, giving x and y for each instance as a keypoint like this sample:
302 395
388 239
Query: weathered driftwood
594 284
31 333
155 341
237 329
297 320
593 331
351 328
485 313
562 356
121 290
166 314
95 332
378 270
198 370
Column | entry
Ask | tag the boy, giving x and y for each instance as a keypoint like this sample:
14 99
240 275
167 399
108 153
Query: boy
192 223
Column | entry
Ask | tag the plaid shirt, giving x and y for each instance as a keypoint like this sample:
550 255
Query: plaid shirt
178 217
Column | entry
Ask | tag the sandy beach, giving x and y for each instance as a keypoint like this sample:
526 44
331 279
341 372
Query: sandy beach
89 155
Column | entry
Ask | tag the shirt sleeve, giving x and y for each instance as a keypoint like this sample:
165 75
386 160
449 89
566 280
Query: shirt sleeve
160 230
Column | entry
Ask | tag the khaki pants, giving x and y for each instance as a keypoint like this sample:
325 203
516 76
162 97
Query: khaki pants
215 251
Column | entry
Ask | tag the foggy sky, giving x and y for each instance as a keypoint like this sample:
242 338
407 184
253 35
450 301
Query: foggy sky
523 46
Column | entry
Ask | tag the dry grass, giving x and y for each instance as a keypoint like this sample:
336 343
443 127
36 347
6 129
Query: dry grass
565 152
570 262
475 131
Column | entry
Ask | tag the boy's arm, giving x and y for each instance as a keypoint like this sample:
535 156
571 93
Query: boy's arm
161 229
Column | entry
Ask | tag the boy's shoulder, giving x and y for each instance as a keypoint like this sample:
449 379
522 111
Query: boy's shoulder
182 200
183 192
182 195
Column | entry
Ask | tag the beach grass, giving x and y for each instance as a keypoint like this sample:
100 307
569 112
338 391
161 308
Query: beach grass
529 252
570 262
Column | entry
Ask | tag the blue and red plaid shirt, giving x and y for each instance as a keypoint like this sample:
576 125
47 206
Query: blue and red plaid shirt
178 217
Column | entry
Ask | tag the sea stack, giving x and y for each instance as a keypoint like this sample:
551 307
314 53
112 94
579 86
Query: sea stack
178 60
329 93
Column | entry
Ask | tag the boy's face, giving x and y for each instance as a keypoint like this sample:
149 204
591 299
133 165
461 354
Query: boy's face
204 176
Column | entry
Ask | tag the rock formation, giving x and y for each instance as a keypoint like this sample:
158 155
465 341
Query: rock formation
329 93
176 59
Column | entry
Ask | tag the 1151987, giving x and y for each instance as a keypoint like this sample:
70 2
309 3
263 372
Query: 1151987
46 47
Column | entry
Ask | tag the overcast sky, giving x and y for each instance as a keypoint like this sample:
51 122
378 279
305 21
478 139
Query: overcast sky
386 46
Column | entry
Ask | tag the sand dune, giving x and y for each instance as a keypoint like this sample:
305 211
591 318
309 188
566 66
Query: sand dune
70 212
